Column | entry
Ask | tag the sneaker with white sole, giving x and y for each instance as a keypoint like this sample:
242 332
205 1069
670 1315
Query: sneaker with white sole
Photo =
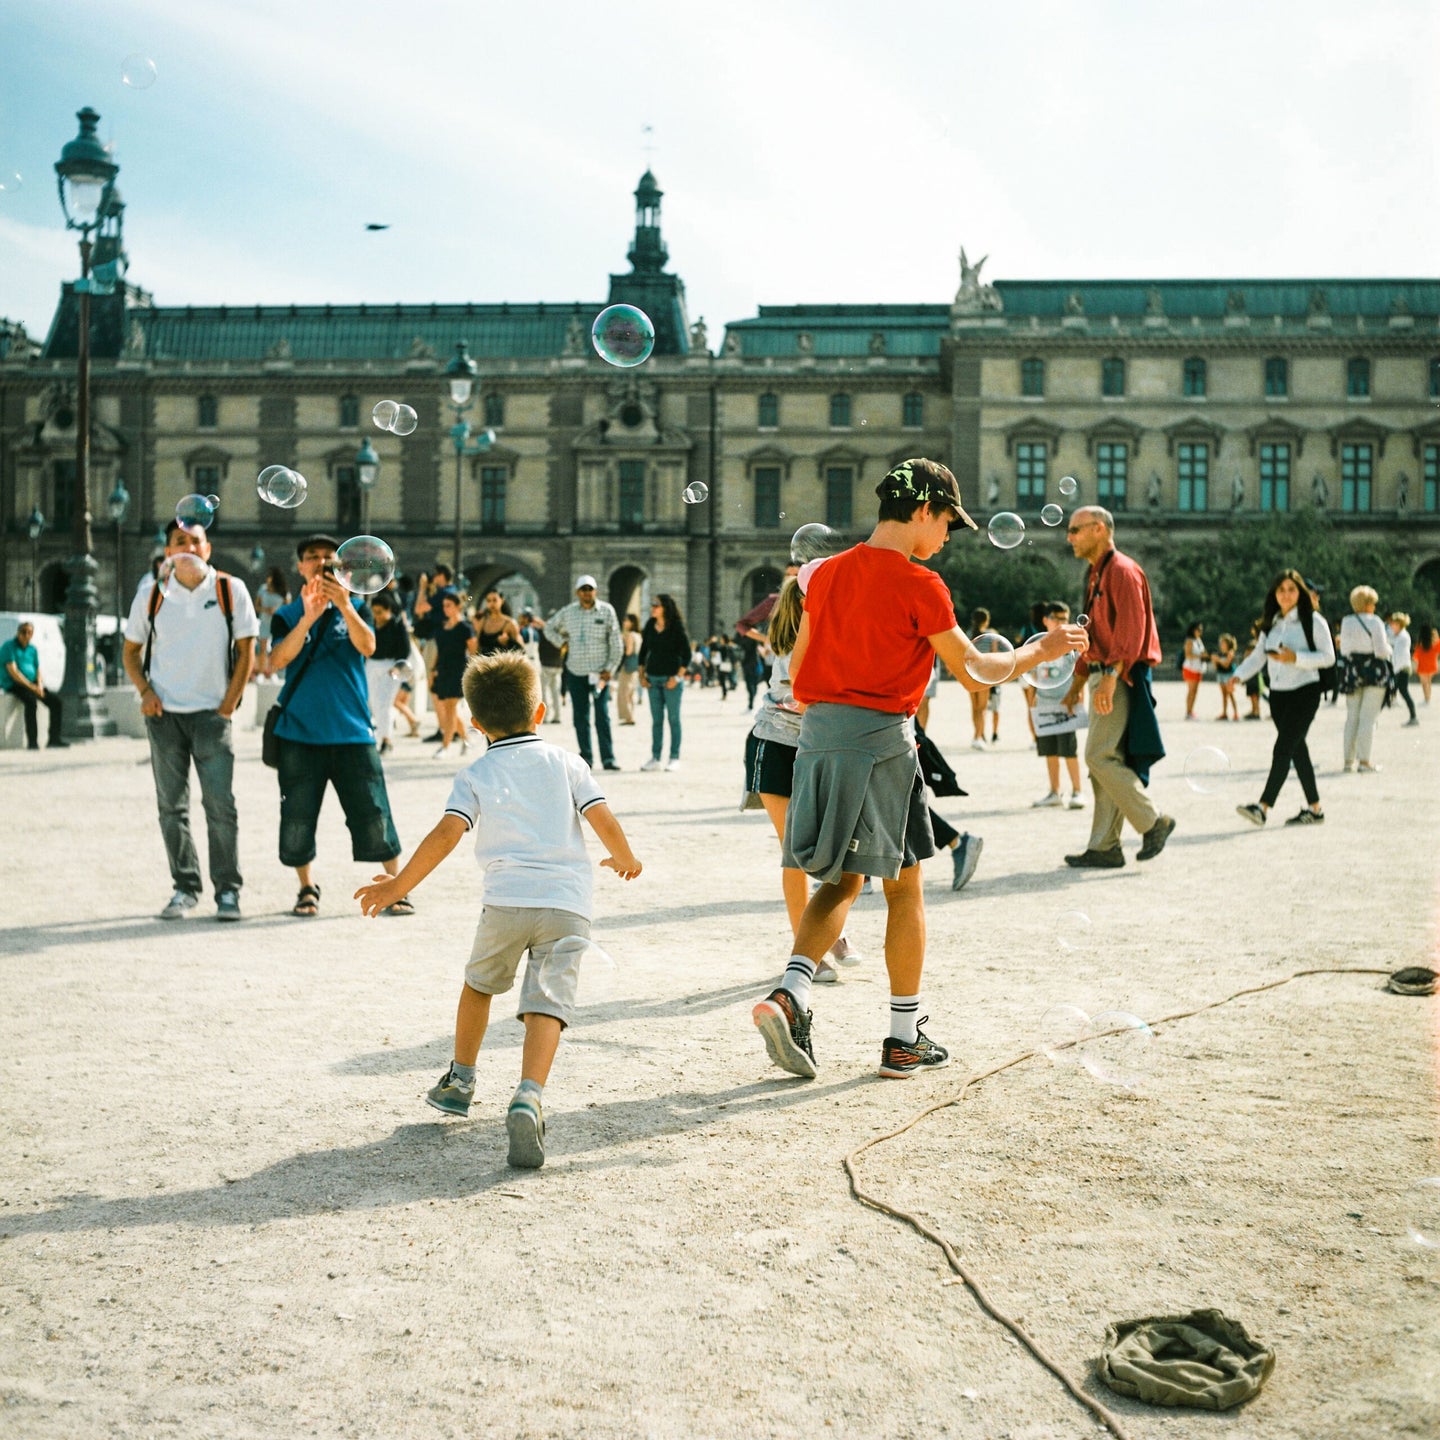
785 1028
672 764
227 905
900 1060
1051 802
965 857
651 765
451 1095
525 1125
1255 814
843 952
977 744
1076 801
826 974
181 904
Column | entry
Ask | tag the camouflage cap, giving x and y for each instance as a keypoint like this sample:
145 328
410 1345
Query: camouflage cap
923 480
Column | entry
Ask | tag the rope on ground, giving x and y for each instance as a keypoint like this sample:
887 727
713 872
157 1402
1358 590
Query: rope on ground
1106 1417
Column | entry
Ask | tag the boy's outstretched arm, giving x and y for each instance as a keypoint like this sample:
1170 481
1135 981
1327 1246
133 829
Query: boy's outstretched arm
954 648
621 858
385 890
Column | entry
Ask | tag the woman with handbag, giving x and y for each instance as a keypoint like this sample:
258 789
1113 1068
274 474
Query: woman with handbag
1294 643
1365 651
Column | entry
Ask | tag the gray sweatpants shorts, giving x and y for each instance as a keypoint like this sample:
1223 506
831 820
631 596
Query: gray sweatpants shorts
556 940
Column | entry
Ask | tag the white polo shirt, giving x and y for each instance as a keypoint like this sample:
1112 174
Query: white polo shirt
523 798
190 661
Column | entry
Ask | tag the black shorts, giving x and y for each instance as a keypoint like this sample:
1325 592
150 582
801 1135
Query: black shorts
1062 745
772 768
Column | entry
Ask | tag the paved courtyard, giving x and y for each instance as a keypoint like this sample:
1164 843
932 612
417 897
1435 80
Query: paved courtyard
225 1209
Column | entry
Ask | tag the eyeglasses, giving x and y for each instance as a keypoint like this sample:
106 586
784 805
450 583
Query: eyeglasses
1076 529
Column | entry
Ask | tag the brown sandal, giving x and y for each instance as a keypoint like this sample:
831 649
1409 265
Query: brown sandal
307 902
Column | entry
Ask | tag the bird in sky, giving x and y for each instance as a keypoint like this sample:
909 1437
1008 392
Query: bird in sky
373 226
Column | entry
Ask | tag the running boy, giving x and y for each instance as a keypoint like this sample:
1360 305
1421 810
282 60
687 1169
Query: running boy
1054 719
523 797
872 624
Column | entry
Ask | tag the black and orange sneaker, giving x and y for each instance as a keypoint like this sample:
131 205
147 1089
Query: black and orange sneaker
899 1061
785 1029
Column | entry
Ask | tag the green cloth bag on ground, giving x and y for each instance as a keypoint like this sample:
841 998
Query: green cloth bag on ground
1201 1359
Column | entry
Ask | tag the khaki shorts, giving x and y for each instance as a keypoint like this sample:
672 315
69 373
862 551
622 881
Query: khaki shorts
505 933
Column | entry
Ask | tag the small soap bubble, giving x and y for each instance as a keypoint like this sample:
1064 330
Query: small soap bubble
1116 1048
1006 529
10 181
1051 678
577 965
994 660
1073 931
138 72
1068 485
364 565
1083 620
623 335
1051 514
281 486
405 421
1422 1219
814 542
197 510
1207 769
384 414
403 671
696 493
1062 1028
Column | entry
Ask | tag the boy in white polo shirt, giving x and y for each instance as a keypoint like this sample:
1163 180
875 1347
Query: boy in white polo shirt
189 645
523 798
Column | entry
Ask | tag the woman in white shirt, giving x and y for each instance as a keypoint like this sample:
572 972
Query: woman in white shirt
1295 643
1363 633
1398 624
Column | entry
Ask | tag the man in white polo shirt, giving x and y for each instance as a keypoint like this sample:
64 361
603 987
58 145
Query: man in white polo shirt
189 645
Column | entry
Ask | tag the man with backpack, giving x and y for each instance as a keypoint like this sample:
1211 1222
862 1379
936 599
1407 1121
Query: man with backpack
189 647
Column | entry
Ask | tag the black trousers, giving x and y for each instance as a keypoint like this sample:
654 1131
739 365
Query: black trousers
1402 685
1292 711
31 701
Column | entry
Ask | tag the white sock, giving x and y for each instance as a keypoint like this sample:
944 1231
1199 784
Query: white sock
797 979
904 1018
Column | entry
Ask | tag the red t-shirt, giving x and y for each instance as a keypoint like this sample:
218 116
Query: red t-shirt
871 612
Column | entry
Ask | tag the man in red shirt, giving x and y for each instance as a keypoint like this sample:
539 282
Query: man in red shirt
1124 646
872 626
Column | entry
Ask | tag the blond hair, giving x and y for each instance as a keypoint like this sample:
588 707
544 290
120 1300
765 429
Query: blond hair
502 692
785 618
1363 595
1399 618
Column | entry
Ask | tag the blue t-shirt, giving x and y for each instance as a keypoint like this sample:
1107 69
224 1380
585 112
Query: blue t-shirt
26 659
325 697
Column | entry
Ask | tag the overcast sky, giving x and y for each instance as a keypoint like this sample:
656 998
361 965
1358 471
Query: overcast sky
809 150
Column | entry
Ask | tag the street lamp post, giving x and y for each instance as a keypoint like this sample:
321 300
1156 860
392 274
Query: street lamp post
367 473
460 373
119 507
35 528
86 180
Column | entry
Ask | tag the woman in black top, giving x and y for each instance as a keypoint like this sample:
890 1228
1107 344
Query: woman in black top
664 654
454 645
495 629
382 675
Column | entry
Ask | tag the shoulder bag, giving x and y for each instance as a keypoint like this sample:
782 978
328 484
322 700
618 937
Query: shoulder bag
269 740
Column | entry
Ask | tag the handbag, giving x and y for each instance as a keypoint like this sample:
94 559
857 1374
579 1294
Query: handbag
1360 671
269 740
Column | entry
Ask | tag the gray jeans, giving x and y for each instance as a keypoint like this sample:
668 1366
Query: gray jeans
1362 710
176 740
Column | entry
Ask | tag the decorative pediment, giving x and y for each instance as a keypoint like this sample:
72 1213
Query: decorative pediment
1030 431
770 454
497 454
1193 431
208 455
632 421
1359 432
1423 435
841 454
1113 431
1276 431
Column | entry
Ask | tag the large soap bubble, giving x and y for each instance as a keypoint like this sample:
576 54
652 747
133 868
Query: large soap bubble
281 486
384 413
696 493
364 565
405 421
1062 1028
814 542
1006 530
197 510
1068 485
1116 1049
1207 769
138 72
623 335
994 660
1051 514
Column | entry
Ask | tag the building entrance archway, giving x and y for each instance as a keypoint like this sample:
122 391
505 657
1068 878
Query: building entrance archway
628 591
513 580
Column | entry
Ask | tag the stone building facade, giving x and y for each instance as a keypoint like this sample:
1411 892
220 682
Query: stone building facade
1183 405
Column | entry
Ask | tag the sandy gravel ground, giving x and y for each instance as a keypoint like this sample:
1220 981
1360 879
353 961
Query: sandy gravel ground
226 1211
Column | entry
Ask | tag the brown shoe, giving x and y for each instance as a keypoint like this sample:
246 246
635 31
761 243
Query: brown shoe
1155 838
1097 860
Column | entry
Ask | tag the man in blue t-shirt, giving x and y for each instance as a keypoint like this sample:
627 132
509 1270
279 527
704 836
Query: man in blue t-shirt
321 641
20 677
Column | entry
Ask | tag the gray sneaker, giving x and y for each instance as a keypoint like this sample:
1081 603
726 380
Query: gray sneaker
181 904
965 859
227 905
451 1095
525 1125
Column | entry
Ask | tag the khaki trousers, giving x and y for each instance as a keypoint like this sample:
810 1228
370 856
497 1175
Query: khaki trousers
1119 795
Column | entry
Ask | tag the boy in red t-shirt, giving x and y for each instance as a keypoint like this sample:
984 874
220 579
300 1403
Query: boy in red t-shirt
873 624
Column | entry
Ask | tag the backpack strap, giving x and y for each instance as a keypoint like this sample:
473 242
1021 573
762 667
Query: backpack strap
157 598
227 608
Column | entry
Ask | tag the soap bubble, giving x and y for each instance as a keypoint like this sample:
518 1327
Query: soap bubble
1006 529
364 565
180 571
1062 1028
1067 485
1083 620
1051 514
814 542
10 181
280 486
1051 678
623 335
384 414
1207 769
696 494
405 421
994 662
1116 1048
197 510
138 72
577 966
1073 931
1422 1219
